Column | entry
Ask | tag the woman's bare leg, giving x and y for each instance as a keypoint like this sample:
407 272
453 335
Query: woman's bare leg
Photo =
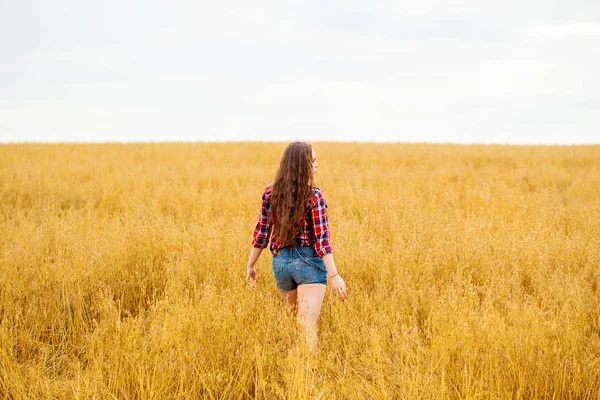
290 298
310 300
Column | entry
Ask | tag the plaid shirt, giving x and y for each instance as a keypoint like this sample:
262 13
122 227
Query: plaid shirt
314 230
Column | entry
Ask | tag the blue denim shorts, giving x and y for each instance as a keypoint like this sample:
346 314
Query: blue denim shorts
298 266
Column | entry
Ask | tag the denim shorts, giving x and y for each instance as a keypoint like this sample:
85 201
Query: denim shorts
295 266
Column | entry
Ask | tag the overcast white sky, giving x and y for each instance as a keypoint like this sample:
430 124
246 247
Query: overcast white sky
411 71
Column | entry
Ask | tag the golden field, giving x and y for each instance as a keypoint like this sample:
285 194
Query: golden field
473 272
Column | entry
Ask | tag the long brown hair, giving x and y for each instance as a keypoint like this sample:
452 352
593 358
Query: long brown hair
292 191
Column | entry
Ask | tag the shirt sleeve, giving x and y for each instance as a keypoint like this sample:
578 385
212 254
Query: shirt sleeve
321 225
262 231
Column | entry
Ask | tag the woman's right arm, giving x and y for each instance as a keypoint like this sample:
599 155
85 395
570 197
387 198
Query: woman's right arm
337 283
323 245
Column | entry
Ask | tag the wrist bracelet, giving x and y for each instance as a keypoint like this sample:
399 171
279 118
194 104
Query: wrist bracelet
336 274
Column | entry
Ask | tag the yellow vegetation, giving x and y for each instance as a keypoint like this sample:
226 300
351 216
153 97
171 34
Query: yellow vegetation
473 273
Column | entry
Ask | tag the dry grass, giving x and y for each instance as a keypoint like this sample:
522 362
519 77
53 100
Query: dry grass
473 273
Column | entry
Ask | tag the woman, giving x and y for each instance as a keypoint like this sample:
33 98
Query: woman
293 215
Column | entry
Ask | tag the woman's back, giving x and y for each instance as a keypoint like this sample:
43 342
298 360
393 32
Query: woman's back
313 229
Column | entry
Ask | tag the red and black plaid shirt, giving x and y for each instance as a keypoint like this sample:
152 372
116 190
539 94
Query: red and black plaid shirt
314 230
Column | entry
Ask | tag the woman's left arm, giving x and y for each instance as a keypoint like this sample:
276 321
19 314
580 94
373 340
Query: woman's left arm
260 237
250 270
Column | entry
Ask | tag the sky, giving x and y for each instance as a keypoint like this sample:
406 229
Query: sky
510 72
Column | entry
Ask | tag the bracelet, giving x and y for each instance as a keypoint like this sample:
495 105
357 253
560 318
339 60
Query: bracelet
336 274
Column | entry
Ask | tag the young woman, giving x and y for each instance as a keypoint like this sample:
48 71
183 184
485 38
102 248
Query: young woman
293 216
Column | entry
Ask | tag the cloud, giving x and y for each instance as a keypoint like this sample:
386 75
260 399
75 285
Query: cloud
585 29
425 71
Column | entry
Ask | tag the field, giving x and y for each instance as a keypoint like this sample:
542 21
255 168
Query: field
473 272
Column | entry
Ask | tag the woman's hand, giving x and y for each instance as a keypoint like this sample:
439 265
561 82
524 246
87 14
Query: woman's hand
339 288
251 272
251 276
